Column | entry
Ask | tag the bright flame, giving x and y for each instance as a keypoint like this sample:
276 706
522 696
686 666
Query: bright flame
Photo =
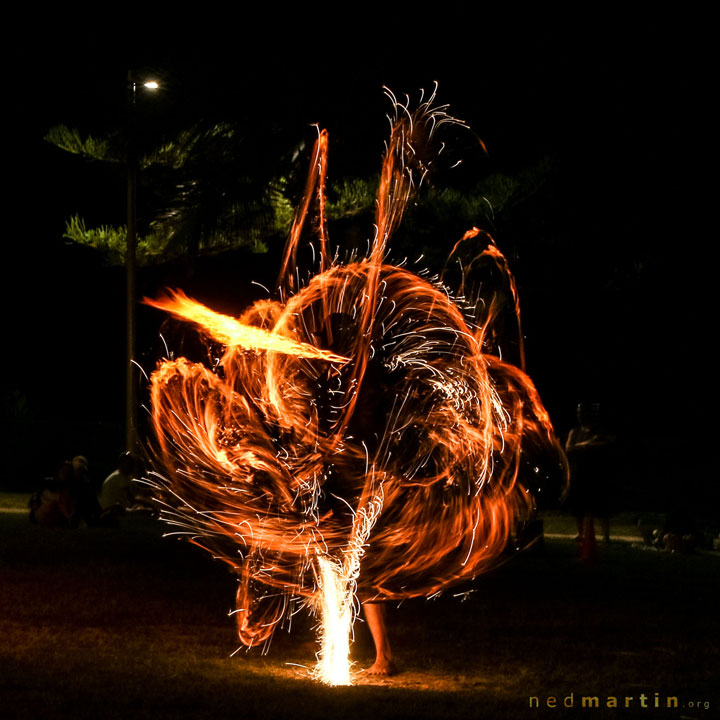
232 333
394 468
335 598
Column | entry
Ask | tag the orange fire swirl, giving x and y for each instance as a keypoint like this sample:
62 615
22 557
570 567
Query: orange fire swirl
360 418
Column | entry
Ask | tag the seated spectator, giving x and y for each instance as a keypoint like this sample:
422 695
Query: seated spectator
117 494
54 505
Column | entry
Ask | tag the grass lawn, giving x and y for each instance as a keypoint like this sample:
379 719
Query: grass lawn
14 501
121 623
623 525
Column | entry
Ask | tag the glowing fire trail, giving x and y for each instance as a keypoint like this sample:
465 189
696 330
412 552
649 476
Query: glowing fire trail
376 446
232 333
336 612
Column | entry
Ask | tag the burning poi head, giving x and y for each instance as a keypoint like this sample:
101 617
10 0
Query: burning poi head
361 436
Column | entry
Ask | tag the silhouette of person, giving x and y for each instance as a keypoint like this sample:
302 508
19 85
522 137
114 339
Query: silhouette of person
54 505
87 508
588 452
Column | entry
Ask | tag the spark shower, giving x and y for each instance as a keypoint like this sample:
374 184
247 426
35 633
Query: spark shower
361 436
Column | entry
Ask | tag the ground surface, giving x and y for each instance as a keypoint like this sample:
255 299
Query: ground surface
122 623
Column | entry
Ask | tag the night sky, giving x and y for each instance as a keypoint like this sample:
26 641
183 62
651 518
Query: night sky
610 272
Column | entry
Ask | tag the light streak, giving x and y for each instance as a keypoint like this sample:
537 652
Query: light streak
232 333
335 599
359 436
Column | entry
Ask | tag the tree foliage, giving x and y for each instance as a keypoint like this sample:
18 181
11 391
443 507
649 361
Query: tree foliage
112 242
351 196
439 217
211 188
203 195
91 148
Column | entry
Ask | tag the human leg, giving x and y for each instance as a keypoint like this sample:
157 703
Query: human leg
375 614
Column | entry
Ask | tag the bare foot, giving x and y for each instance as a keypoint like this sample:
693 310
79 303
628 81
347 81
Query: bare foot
382 667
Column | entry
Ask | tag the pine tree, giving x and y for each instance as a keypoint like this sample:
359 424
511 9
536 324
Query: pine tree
203 196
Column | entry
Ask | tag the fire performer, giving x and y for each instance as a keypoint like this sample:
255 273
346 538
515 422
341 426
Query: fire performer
366 427
361 436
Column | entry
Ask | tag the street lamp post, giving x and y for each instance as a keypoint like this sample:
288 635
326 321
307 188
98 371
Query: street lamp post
131 439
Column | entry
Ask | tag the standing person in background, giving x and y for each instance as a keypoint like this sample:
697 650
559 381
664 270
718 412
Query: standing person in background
588 450
87 509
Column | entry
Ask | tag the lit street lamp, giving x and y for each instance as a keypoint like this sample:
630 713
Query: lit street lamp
130 264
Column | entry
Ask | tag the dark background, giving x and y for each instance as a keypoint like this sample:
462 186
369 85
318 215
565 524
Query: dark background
613 273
